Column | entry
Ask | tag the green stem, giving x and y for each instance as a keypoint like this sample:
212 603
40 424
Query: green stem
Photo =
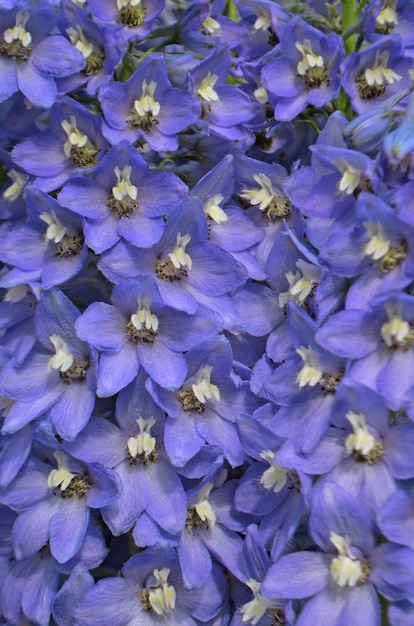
349 18
232 11
159 46
344 104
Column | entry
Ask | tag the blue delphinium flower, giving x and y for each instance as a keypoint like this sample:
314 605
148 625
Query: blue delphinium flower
306 72
56 497
32 54
379 342
150 592
224 107
147 106
57 375
72 142
140 331
49 241
132 18
341 582
206 406
123 198
135 450
375 73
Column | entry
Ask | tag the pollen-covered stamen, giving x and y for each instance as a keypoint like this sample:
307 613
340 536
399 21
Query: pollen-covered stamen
254 610
346 569
67 244
16 188
386 19
202 514
275 477
395 256
312 66
300 284
159 596
396 333
190 403
131 12
143 325
143 448
16 41
78 147
272 203
374 80
213 210
278 617
70 484
93 55
123 200
145 110
361 443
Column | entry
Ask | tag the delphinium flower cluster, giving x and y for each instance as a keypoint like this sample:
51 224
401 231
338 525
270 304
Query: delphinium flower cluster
207 313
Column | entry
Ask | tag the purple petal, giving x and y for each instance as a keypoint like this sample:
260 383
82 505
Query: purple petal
117 370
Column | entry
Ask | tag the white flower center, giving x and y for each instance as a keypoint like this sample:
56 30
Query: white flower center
144 443
261 95
361 441
62 476
387 17
15 189
254 610
309 58
16 293
79 40
275 477
346 570
206 513
18 32
261 196
121 4
300 285
378 246
211 26
213 209
75 138
55 229
179 257
124 188
263 21
396 331
205 89
143 318
162 597
380 74
203 389
62 359
146 104
350 177
311 373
